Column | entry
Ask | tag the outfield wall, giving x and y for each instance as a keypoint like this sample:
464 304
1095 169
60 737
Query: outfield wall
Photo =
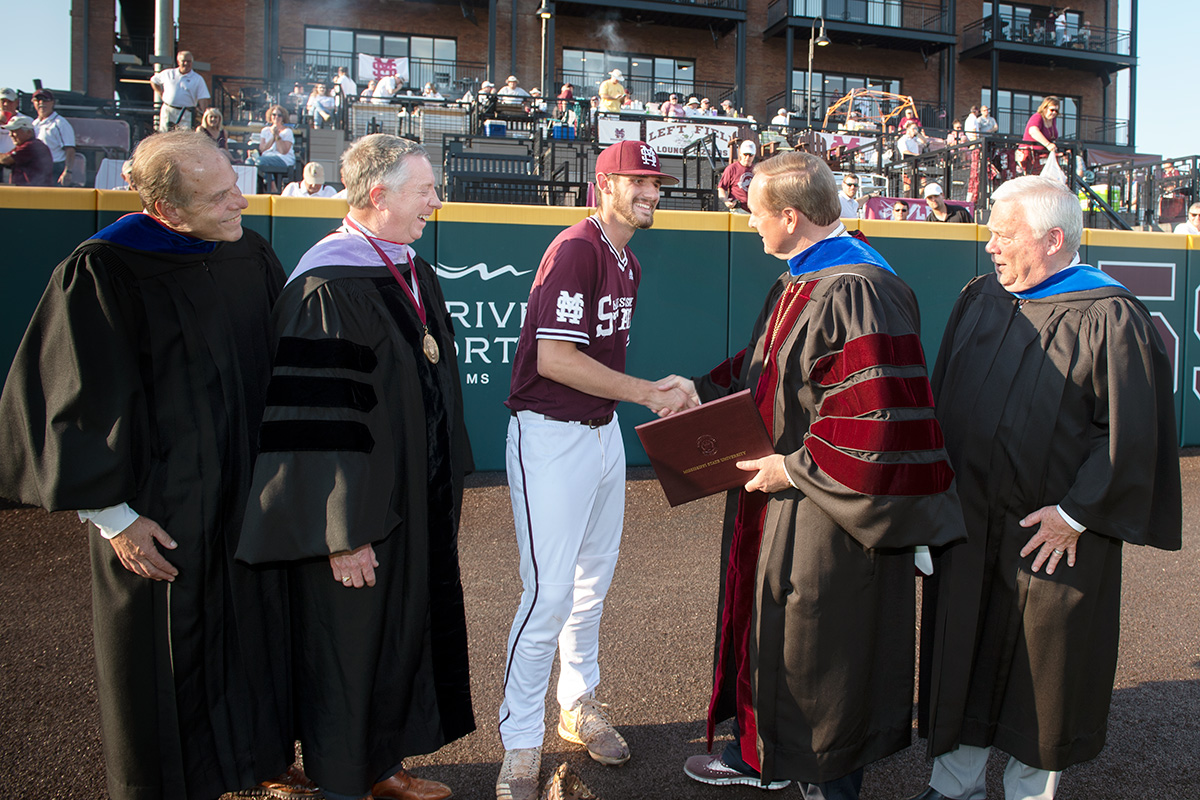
704 277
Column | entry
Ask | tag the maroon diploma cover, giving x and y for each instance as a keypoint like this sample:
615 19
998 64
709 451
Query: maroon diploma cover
695 452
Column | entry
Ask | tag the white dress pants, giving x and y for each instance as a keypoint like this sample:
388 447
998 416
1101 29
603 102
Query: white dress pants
961 774
567 485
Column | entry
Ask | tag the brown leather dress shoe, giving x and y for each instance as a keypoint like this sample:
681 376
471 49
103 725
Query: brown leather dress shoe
406 786
291 785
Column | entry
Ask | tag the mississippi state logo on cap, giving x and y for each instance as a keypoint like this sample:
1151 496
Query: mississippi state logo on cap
631 157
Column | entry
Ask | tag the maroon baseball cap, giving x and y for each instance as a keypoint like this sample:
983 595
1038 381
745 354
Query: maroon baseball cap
43 94
631 157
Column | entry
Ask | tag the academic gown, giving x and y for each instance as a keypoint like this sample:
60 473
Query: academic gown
141 379
815 642
364 442
1063 399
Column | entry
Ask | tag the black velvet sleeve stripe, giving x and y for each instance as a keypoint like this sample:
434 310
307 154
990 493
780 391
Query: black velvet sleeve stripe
300 435
324 354
304 390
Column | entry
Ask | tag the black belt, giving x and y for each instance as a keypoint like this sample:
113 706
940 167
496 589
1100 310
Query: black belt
598 422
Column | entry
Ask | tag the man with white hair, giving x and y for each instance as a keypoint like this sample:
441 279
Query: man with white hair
358 487
135 398
1192 224
1055 395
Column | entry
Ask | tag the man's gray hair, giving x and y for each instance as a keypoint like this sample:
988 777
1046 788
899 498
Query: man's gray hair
380 159
156 169
1047 203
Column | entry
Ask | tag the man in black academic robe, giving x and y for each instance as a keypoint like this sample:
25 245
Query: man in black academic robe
1055 395
135 397
358 488
816 634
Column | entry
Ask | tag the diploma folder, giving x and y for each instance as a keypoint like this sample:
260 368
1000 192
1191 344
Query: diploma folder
695 452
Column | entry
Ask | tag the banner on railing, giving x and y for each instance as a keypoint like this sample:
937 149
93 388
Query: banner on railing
670 138
377 67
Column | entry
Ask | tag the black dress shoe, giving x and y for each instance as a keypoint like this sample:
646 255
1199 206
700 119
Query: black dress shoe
930 793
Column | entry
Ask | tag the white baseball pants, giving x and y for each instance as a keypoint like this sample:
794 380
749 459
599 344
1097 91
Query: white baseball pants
567 485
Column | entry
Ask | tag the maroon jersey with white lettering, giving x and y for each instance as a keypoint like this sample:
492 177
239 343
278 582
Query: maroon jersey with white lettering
584 292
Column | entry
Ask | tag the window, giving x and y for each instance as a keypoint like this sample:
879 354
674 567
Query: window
647 78
431 59
872 12
1031 24
1013 110
829 87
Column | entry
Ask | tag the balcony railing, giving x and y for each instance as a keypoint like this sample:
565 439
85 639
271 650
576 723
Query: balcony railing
452 78
1011 28
648 90
1080 127
885 13
932 115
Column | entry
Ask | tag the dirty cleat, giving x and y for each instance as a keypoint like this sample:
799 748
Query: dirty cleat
585 724
518 778
715 772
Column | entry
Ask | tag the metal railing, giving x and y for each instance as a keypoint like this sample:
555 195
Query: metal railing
647 90
932 115
932 18
1083 127
452 78
1011 28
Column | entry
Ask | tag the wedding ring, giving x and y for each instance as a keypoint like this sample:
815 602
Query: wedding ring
1059 552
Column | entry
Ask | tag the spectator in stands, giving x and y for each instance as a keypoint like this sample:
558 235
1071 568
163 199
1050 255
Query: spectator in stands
848 194
938 210
511 94
386 88
486 100
956 136
910 116
181 91
566 102
368 94
727 109
612 93
8 110
970 122
912 142
29 158
693 107
1060 26
537 105
734 185
1041 131
430 92
899 210
313 184
344 86
320 106
986 123
276 145
706 108
1038 36
782 117
57 134
673 108
1192 226
212 123
127 175
1085 36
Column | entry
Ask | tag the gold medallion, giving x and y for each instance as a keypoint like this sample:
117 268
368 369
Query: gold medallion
431 348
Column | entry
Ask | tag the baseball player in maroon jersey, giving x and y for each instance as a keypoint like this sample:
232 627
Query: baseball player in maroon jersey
566 464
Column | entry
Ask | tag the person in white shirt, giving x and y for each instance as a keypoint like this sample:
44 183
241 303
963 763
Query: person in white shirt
1192 226
276 145
344 84
385 87
847 195
781 117
181 91
57 134
985 122
313 184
